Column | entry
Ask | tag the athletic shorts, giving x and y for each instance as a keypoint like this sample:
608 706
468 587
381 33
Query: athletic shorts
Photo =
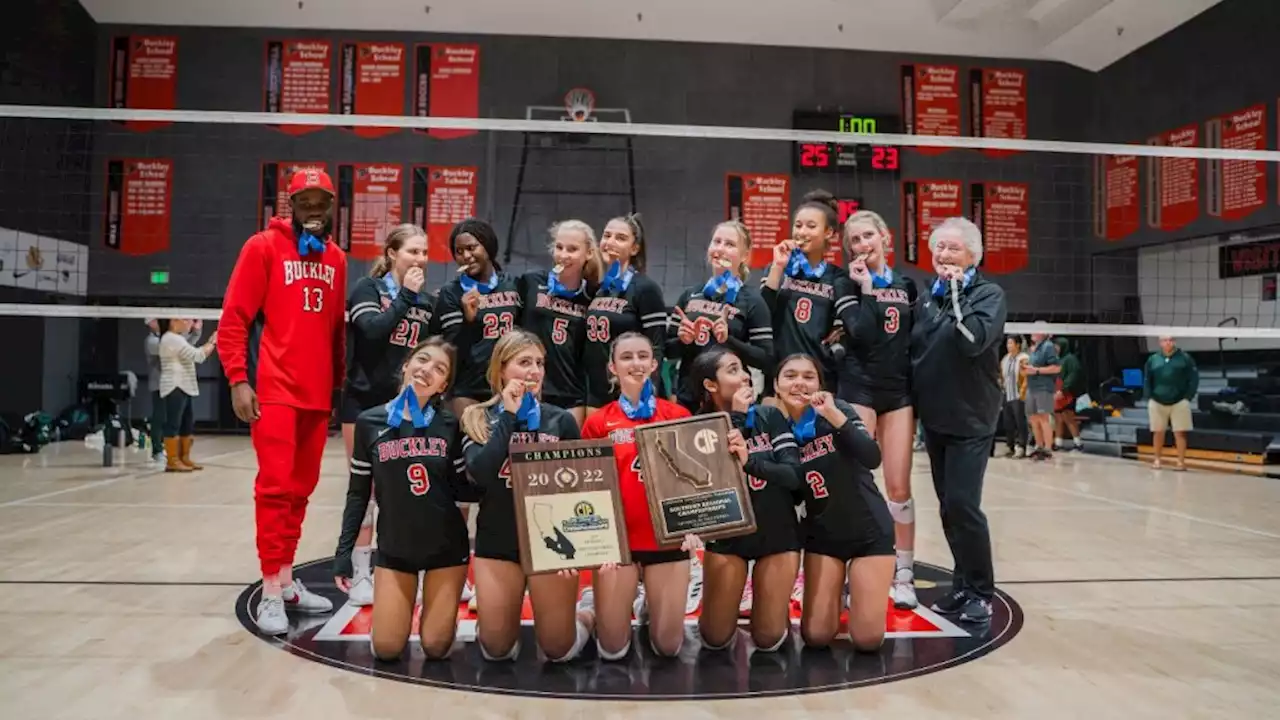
496 531
353 405
1039 402
777 530
1064 402
452 557
1177 415
873 543
598 397
881 401
657 557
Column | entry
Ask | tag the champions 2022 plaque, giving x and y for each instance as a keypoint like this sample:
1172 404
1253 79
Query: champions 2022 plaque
568 506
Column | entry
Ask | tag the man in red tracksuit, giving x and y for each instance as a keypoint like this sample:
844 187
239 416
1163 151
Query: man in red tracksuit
295 278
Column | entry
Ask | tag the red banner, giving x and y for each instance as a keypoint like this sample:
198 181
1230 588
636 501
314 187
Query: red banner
371 82
440 198
298 80
1237 187
925 204
446 83
1001 211
274 189
368 207
763 204
1115 196
139 198
847 208
931 102
1173 184
144 76
999 105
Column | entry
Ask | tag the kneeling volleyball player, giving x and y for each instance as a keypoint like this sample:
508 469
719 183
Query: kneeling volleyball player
409 453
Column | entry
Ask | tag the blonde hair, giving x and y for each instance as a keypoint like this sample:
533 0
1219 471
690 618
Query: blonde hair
870 217
475 420
744 244
395 240
593 270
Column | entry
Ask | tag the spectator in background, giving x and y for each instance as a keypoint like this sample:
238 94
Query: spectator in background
178 386
157 419
1169 381
1014 386
1070 386
1041 372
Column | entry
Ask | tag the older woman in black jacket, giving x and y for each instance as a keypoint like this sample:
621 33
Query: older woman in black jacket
955 359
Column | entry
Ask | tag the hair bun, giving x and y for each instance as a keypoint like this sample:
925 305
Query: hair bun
821 197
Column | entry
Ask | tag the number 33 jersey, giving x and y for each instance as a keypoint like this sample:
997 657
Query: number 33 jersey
497 314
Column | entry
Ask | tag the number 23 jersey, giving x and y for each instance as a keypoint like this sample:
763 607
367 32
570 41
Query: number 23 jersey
497 314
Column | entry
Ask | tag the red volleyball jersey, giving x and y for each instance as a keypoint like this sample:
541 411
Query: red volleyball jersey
611 422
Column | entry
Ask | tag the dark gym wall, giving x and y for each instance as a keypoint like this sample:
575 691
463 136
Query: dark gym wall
680 183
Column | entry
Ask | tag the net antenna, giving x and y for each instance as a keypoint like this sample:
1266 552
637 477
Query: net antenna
561 165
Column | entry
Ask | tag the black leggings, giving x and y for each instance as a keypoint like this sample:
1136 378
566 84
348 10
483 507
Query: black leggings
179 420
1015 423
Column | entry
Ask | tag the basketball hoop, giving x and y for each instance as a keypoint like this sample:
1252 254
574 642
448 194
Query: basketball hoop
578 104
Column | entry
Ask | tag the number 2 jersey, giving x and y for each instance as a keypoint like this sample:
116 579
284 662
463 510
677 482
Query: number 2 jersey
497 314
561 324
638 308
878 349
489 466
842 503
805 311
384 322
610 422
773 476
417 476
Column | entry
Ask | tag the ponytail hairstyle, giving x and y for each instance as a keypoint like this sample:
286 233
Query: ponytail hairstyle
475 419
438 342
743 270
825 203
395 240
705 367
632 221
873 219
593 270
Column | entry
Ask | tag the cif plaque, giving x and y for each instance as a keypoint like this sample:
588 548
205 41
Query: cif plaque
568 506
694 484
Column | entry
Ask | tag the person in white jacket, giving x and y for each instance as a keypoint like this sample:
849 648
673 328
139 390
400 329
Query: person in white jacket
178 385
152 348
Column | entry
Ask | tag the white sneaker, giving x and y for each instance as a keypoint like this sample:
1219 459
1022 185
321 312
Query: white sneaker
903 590
797 590
640 608
271 618
694 598
298 598
744 605
587 600
468 591
361 592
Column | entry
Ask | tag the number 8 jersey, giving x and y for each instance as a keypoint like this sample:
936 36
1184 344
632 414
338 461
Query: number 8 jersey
497 314
805 311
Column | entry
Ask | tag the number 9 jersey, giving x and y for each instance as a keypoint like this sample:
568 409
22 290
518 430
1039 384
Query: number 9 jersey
497 314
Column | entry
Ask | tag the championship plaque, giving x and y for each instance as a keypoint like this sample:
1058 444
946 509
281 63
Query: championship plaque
694 484
568 506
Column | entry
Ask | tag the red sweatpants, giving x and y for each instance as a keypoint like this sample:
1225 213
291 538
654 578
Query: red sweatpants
290 444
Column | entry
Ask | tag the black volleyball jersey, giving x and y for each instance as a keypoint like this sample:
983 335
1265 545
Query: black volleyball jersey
561 324
750 331
878 351
836 468
384 322
774 457
497 314
639 308
806 311
417 476
489 465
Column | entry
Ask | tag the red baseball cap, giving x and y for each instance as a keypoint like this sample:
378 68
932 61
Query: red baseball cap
308 179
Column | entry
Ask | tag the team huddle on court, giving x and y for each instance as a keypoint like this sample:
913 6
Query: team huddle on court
823 372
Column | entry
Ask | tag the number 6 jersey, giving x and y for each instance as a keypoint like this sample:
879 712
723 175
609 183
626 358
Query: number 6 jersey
497 314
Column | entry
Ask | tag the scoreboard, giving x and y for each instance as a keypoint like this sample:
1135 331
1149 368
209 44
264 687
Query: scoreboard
851 158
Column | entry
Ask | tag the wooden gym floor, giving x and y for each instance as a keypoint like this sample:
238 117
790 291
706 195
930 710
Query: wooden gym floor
1145 594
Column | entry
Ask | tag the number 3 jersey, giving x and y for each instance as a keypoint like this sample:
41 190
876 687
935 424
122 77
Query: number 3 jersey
417 477
841 498
497 314
610 422
384 322
878 350
561 324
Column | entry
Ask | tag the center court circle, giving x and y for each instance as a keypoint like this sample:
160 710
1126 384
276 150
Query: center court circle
916 643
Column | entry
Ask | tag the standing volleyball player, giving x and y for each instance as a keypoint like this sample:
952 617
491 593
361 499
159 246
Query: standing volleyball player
517 414
295 278
723 384
724 311
408 453
387 314
555 310
627 301
875 376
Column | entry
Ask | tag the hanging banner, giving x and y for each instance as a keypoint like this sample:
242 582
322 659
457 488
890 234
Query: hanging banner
931 102
446 83
144 76
1173 184
1237 187
998 104
763 204
139 199
298 80
368 207
371 82
1001 211
1115 196
925 204
274 189
441 197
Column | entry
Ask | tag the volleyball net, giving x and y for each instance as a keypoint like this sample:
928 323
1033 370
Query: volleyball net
111 217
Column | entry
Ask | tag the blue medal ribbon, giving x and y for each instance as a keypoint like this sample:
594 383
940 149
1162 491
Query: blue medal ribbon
751 417
530 412
882 280
393 288
806 427
408 400
645 408
557 289
309 243
798 266
615 280
940 287
469 283
726 283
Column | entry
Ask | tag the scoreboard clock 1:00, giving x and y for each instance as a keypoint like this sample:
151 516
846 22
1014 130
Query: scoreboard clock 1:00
810 158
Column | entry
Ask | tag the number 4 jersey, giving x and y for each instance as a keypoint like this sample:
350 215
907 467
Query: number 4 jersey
384 323
497 314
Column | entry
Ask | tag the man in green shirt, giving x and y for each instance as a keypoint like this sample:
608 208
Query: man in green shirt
1071 385
1169 381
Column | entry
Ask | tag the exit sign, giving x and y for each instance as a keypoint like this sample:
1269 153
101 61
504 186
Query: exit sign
159 277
